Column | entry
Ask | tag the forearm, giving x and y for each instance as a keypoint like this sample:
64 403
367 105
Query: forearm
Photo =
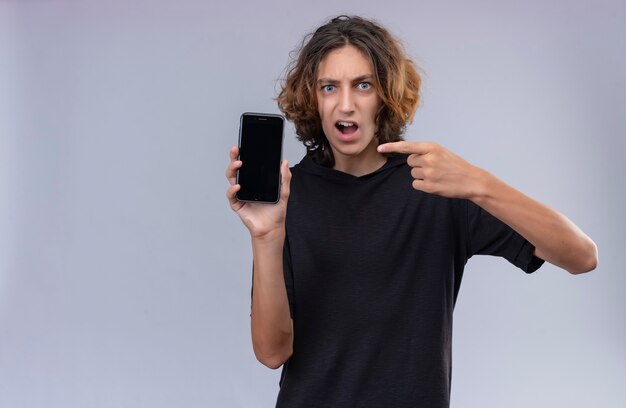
556 239
272 328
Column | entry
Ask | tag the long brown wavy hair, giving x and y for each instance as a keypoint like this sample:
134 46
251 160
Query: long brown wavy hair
395 79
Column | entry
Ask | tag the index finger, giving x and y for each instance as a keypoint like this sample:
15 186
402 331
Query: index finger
234 153
405 147
233 165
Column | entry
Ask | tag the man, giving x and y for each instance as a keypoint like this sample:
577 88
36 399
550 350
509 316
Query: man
358 266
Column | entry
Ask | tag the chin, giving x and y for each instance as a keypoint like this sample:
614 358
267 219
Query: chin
353 150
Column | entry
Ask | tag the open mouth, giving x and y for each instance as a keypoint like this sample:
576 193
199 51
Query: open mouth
346 128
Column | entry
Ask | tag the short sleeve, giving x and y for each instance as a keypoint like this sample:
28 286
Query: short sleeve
490 236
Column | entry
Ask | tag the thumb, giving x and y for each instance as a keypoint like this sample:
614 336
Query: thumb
285 181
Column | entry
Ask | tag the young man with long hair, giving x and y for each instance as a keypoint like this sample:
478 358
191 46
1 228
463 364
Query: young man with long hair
358 266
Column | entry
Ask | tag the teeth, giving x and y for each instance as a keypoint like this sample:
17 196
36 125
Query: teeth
345 124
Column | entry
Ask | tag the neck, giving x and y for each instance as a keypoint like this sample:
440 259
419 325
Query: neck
368 161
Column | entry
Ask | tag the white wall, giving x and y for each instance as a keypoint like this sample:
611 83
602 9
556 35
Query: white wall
125 277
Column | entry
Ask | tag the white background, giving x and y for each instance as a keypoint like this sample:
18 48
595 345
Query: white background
125 277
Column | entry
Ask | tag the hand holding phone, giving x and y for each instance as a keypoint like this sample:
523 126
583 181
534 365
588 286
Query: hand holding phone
262 220
260 151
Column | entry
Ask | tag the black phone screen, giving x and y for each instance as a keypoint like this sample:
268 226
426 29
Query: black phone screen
260 150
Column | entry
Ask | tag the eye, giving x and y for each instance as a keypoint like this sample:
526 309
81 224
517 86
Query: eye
328 88
364 86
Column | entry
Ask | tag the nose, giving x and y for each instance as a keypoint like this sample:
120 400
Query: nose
346 103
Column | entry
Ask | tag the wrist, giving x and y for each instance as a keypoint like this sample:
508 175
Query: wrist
269 236
481 187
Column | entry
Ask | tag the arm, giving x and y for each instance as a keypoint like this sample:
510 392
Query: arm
272 327
271 324
556 239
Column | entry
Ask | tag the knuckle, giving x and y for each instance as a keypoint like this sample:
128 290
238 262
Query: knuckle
427 187
432 147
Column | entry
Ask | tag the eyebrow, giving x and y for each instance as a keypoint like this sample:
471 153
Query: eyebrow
332 81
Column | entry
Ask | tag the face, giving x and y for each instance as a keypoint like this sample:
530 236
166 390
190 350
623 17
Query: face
347 104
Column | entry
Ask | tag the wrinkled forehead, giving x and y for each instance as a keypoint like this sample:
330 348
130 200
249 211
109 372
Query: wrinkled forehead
344 62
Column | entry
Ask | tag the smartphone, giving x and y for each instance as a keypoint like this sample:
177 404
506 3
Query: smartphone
260 151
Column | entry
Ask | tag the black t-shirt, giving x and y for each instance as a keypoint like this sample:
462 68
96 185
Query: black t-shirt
372 270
